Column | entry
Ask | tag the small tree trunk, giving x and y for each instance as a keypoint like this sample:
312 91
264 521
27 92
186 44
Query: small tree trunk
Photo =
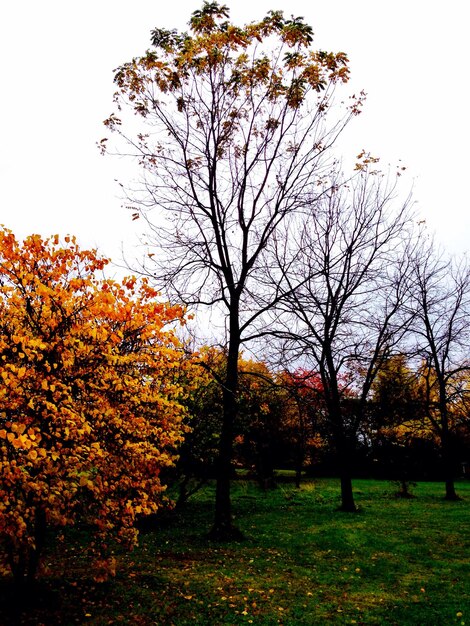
347 497
39 539
24 562
451 494
446 445
17 562
264 465
222 529
299 461
344 462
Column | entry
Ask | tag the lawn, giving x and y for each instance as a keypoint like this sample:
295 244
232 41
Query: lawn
396 561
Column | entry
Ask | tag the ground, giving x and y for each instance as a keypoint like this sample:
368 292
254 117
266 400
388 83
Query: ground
396 561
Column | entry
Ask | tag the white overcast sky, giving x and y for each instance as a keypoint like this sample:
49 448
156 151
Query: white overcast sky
56 62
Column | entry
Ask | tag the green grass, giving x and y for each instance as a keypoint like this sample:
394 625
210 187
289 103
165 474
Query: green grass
395 562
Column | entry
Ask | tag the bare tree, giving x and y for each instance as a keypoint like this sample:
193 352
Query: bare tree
236 136
345 281
441 299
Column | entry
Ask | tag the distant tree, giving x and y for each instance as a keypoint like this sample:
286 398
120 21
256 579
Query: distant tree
233 136
441 299
90 409
345 277
198 453
395 424
396 394
302 416
257 427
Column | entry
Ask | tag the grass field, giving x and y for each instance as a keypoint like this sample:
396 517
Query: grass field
395 562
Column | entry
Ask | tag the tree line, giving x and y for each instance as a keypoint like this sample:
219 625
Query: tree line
284 423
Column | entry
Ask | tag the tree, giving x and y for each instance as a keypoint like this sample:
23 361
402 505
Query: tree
259 424
90 406
395 426
233 133
203 400
397 396
441 297
302 415
348 258
256 431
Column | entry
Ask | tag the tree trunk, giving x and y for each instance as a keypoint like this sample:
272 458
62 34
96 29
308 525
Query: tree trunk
451 494
24 561
347 497
223 529
300 449
343 454
448 459
344 463
299 463
39 538
446 445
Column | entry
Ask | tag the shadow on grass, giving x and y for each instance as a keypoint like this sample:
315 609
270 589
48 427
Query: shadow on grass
50 603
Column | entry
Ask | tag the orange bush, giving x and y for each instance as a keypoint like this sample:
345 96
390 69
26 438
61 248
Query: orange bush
89 397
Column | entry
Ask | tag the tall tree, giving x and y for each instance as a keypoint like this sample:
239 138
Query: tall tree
233 133
441 298
348 259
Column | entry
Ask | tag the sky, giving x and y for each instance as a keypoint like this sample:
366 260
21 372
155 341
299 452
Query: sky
56 72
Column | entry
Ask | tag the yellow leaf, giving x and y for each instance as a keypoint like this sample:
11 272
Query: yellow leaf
18 428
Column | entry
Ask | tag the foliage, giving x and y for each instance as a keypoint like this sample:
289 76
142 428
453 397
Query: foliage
395 425
396 392
302 417
259 435
90 406
231 137
198 453
257 430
